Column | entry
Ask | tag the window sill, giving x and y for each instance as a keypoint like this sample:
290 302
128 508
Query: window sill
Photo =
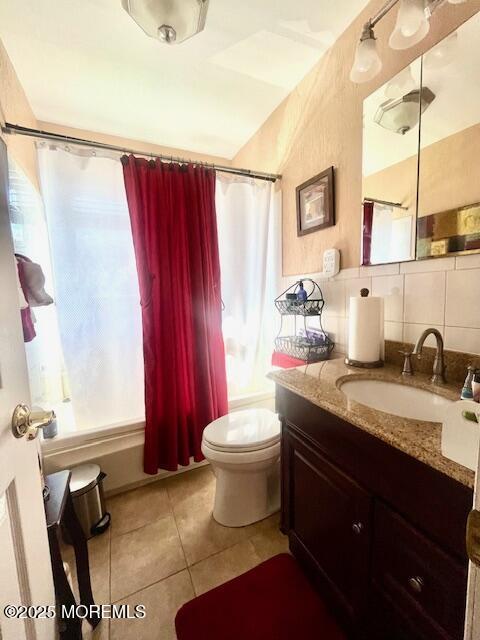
81 437
71 439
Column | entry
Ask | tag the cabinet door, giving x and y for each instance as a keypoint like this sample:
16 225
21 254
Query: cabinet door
414 582
328 517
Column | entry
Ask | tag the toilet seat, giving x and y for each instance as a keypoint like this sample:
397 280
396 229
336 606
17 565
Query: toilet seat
243 432
241 457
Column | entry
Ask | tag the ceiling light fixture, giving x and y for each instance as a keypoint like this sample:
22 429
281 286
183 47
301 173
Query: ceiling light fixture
170 21
412 25
402 114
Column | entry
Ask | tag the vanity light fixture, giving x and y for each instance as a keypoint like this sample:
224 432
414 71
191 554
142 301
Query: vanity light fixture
367 62
170 21
412 25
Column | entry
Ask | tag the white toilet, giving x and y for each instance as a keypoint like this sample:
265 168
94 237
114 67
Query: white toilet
244 450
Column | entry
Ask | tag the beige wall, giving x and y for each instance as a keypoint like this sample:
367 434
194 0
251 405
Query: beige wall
450 172
128 143
14 108
320 124
449 176
396 183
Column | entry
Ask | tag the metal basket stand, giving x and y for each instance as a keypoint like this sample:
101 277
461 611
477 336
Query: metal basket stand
302 347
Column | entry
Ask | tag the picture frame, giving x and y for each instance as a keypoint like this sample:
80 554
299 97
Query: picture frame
316 203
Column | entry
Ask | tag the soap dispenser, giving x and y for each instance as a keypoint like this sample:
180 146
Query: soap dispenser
301 293
476 386
467 391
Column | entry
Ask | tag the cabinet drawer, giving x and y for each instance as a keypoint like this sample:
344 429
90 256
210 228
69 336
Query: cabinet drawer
422 584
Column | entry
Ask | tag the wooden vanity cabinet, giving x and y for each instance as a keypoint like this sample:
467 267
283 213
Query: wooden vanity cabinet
331 517
380 533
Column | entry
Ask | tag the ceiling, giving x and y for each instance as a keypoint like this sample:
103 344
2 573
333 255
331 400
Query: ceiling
87 64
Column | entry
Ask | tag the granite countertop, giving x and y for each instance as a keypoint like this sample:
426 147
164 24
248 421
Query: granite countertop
319 383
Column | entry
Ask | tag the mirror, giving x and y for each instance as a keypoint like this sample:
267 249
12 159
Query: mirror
391 119
449 174
421 141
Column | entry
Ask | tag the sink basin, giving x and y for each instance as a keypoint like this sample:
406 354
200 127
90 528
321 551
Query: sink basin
397 399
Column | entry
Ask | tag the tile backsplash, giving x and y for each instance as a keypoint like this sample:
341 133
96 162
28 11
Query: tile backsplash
442 293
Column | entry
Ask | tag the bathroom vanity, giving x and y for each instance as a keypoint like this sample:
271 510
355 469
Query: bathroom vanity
373 511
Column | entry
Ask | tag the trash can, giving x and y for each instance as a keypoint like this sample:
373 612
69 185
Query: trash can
86 488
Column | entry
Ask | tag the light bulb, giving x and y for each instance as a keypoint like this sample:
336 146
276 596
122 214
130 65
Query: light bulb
412 25
367 63
411 16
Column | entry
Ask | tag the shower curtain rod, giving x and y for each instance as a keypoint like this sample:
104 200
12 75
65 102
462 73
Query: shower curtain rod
15 129
398 205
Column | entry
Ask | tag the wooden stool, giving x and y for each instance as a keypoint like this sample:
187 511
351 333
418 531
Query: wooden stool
59 511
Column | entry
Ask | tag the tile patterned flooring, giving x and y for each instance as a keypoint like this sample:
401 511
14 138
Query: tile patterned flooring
164 547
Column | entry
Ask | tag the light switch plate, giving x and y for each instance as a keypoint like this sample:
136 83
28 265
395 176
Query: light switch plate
331 262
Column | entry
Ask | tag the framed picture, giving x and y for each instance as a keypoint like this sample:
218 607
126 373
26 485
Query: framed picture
316 203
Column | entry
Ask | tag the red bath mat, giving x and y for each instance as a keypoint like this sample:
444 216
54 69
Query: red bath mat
273 601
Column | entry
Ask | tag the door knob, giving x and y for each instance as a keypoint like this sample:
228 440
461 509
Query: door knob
27 423
473 537
416 584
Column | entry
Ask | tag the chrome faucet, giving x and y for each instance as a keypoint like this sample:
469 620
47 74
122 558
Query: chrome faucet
438 376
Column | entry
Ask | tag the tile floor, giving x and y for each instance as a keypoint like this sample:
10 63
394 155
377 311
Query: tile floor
164 547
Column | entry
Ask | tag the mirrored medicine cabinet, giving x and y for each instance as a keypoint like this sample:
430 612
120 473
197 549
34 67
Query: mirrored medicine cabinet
421 156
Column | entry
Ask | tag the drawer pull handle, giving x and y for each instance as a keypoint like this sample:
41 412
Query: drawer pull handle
357 528
416 584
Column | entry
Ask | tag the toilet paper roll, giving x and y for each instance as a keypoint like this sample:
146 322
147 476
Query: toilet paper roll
365 329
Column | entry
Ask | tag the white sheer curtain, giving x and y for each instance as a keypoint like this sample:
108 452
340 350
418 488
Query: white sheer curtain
249 234
95 286
48 385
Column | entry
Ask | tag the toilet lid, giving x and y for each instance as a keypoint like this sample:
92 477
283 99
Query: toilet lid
250 429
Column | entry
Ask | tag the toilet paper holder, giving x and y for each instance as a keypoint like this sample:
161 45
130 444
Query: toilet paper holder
367 324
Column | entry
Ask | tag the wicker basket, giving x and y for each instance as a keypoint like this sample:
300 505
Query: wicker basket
299 308
303 348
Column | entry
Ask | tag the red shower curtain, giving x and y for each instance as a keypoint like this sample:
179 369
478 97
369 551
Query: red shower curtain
368 210
172 213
